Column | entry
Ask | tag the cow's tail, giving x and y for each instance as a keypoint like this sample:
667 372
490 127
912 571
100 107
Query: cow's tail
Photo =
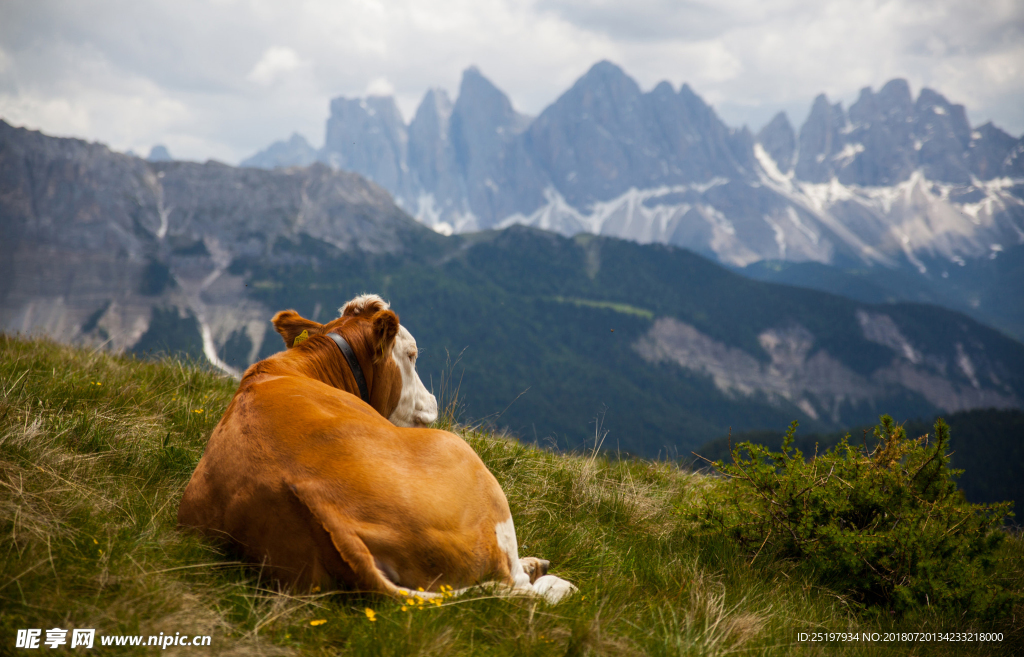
370 576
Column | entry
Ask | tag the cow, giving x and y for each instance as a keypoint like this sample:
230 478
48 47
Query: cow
323 471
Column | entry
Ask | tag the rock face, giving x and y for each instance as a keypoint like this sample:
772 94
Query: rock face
604 137
96 244
432 160
895 181
369 136
486 138
779 142
799 372
885 138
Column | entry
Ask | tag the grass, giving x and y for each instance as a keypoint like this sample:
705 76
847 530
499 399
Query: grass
623 308
95 451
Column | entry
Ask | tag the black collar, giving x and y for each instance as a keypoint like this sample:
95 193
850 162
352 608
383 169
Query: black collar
353 364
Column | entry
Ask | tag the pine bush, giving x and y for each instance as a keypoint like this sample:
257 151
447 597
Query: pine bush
886 527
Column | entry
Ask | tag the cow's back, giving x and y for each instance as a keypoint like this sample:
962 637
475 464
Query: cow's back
292 456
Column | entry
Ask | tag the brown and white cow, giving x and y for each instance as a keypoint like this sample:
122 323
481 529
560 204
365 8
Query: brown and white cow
326 490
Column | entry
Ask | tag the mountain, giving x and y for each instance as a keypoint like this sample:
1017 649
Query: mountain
556 338
368 136
296 151
894 183
104 248
159 153
988 289
654 344
778 139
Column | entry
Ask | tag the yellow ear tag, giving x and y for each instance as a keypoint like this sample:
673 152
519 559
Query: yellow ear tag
300 338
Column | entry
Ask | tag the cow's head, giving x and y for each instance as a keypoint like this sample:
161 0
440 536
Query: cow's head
385 349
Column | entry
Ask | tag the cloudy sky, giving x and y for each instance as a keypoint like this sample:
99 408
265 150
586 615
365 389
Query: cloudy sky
222 79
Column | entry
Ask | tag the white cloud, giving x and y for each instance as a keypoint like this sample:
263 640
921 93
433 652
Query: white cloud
275 62
224 79
379 87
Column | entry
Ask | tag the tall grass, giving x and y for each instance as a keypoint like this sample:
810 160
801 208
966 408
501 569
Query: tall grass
95 451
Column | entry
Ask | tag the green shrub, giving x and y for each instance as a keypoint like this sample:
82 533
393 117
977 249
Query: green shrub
886 527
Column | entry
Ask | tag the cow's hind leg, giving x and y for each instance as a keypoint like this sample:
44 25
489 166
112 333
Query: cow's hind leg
362 572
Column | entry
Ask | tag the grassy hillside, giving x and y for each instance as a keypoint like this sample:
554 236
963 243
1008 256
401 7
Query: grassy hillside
95 451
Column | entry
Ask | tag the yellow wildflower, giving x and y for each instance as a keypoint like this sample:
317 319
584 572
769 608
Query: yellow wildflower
404 608
371 614
321 621
199 410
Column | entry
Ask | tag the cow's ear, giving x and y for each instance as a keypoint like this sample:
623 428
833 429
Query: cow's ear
385 328
290 325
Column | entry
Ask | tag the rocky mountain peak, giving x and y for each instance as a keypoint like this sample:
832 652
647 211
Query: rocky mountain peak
482 119
431 157
434 110
605 136
990 150
482 104
296 151
368 135
820 139
604 92
159 153
662 89
607 74
484 130
944 134
878 146
779 141
887 137
895 100
585 139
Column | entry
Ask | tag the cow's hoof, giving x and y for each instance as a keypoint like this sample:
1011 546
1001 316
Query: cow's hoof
553 589
535 567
